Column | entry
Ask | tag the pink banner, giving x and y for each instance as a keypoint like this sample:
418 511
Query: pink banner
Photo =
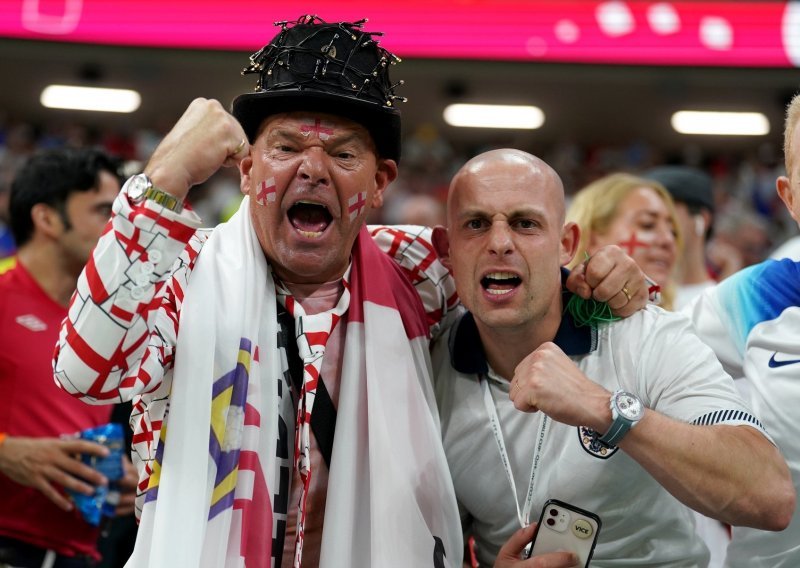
637 32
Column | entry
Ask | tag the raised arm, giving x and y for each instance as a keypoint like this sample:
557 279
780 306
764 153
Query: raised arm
696 438
120 334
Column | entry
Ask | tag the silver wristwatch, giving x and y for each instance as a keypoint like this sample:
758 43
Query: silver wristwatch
626 410
139 188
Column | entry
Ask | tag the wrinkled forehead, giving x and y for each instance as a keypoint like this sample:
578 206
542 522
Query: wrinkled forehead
317 123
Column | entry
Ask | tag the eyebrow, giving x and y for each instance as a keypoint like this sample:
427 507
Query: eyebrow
533 212
337 141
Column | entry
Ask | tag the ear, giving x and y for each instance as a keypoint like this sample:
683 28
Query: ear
570 237
385 174
441 244
46 221
785 193
245 166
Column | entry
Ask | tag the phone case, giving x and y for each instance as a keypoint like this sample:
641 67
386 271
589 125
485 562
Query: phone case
565 527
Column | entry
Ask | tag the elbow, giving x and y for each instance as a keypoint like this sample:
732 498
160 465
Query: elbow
776 505
784 509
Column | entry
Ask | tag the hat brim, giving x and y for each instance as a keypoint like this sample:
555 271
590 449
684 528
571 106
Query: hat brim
383 124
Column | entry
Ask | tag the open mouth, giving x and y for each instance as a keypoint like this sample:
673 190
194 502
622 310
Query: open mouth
498 283
310 219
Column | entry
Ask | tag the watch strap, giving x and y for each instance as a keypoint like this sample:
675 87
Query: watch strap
620 424
166 200
618 429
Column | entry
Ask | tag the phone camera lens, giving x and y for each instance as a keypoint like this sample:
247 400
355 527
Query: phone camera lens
553 512
550 522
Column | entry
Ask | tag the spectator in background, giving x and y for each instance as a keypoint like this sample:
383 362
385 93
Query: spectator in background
743 230
60 203
752 322
692 191
638 215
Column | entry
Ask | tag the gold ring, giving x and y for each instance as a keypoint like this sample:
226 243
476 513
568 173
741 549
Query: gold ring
240 147
627 294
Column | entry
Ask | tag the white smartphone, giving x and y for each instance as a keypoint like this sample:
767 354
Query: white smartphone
564 527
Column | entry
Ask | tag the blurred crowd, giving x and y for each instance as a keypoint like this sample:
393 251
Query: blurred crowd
750 222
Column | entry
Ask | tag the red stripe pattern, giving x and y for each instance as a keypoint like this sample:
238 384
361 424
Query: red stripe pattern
118 342
313 332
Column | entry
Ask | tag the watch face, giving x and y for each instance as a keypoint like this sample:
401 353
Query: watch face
629 406
137 185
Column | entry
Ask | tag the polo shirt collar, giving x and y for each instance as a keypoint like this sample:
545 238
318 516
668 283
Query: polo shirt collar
466 350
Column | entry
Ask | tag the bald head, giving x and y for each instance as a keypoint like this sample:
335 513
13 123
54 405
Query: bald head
499 170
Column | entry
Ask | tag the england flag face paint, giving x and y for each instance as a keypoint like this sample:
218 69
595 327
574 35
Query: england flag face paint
318 128
266 192
356 204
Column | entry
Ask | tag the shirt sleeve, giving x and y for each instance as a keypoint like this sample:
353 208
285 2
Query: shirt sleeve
683 379
411 248
119 336
725 315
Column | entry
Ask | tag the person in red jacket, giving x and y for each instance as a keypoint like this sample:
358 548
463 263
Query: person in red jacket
60 204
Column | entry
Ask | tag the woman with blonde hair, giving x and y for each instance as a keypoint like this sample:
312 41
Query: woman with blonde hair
636 214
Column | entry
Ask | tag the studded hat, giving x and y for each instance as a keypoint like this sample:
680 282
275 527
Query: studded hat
336 68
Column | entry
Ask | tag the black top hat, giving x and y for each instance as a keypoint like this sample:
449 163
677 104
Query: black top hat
335 68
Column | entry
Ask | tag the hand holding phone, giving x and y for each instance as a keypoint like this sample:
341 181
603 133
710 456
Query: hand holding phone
564 527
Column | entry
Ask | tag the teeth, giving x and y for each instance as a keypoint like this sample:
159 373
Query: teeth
310 234
500 275
495 292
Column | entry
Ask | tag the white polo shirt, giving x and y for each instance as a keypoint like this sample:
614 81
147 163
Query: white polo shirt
654 354
752 322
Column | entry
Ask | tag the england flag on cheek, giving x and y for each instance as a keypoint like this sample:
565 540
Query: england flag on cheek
266 191
356 204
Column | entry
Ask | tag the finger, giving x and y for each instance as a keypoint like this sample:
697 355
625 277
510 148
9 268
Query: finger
637 302
126 506
84 447
517 542
74 468
576 282
241 149
618 301
72 482
54 495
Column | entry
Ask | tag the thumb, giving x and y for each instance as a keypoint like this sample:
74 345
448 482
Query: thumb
576 282
512 549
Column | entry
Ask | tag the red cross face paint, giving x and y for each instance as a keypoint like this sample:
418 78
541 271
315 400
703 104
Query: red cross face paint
266 192
318 128
356 204
644 228
310 195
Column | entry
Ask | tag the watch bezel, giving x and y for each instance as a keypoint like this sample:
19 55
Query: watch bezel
137 187
626 411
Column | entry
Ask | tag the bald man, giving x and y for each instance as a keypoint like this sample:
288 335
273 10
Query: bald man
631 420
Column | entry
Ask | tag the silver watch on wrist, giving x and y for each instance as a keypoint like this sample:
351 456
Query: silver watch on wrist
626 410
139 188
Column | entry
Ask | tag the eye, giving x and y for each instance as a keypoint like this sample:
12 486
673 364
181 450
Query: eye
474 224
345 155
526 224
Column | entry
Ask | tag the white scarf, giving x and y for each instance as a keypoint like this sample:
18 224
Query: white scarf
390 499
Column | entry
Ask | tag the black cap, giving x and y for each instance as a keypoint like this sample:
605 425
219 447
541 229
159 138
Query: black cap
335 68
686 185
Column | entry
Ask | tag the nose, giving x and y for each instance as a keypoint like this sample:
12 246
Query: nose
500 241
666 235
313 166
